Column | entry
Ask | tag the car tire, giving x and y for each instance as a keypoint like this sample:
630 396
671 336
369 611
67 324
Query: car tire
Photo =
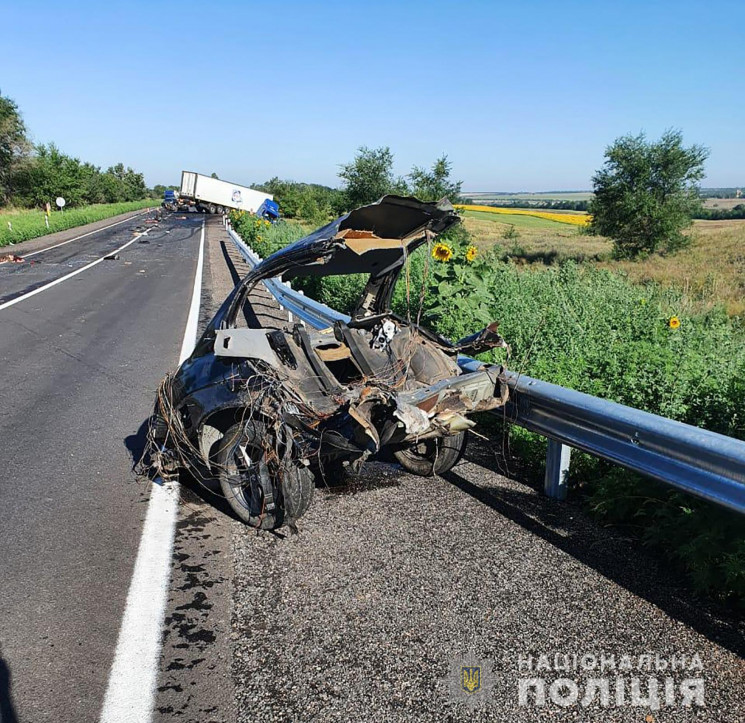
432 456
243 485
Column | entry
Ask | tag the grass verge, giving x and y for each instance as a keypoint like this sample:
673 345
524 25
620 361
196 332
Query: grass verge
18 226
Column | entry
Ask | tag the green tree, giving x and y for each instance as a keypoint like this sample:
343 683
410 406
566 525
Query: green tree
435 184
14 146
214 175
50 173
310 201
370 176
646 193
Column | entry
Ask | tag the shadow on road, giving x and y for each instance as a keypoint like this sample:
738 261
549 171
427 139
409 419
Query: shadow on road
620 560
193 490
136 443
7 709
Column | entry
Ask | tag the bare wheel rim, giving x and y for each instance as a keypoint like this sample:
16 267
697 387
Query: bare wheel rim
244 470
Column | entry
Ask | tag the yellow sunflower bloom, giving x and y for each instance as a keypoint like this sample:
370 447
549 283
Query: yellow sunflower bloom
442 252
674 322
471 253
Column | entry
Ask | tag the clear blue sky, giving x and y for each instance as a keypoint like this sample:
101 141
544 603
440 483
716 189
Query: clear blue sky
520 95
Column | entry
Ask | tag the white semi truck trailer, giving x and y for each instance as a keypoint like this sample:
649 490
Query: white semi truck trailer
211 195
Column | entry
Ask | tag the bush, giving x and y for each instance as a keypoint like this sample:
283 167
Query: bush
263 237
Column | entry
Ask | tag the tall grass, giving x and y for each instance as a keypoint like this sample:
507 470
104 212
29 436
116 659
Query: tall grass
17 226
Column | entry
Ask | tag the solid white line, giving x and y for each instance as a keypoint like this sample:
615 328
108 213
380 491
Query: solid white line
103 228
130 695
190 334
65 277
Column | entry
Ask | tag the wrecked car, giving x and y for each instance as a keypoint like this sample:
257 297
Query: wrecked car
268 411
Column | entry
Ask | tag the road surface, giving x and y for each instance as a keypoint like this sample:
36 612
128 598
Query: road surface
80 362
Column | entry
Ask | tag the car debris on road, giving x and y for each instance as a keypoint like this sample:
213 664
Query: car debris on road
265 410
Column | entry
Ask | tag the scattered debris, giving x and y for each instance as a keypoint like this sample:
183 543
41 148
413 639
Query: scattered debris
111 257
11 259
263 409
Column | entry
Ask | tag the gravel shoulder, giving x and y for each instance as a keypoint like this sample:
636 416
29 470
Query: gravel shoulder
392 578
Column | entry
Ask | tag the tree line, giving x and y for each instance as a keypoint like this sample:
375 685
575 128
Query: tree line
547 205
32 175
364 180
645 194
721 214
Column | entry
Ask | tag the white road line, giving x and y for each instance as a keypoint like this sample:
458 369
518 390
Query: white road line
69 241
66 276
190 334
130 695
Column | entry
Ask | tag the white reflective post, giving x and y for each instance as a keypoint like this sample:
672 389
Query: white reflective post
557 468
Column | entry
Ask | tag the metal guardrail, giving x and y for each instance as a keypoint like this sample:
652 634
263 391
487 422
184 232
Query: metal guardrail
307 310
702 463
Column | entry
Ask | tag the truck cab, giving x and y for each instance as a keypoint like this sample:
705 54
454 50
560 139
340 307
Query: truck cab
269 211
170 200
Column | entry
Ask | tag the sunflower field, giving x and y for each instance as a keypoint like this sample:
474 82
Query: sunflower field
575 219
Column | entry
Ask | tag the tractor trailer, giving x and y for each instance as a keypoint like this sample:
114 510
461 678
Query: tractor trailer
211 195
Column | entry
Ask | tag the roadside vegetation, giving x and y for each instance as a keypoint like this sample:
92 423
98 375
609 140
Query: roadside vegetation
662 332
22 225
265 238
33 176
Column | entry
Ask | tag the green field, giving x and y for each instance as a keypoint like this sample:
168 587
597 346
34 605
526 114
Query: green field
517 220
18 226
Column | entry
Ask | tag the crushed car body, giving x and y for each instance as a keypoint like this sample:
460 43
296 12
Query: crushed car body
266 411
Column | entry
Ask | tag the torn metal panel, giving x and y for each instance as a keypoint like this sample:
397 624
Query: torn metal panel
245 344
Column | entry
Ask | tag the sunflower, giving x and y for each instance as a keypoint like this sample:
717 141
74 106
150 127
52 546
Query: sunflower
442 252
674 322
471 253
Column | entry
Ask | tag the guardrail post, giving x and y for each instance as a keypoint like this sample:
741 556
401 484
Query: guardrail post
557 468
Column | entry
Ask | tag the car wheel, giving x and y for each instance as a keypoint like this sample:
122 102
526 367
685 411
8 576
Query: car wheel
261 491
432 456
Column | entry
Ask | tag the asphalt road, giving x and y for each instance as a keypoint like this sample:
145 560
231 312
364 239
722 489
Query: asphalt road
80 362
